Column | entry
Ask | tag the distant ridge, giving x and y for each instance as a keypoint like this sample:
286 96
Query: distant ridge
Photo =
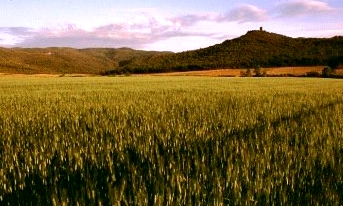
57 60
257 48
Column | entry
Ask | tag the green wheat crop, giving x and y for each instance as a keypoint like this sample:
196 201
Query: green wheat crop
171 141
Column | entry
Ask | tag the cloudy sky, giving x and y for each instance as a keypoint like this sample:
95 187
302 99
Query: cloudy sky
164 25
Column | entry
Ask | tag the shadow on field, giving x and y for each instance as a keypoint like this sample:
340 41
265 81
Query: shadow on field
312 182
263 125
185 174
62 184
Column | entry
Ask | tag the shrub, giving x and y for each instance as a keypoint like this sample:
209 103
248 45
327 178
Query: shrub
247 73
327 71
312 74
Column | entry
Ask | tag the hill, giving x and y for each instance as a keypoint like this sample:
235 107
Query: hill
67 60
254 49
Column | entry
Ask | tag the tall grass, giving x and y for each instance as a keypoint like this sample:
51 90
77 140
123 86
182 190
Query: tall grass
171 141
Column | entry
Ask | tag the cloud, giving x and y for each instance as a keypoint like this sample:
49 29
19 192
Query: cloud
298 8
245 13
139 28
130 34
137 32
14 35
241 14
114 35
143 27
18 30
192 19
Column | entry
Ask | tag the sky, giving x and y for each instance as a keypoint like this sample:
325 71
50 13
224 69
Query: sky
160 25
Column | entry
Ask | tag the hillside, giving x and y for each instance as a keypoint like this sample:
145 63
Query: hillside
67 60
254 49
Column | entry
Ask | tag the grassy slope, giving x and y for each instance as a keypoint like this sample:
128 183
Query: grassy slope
65 60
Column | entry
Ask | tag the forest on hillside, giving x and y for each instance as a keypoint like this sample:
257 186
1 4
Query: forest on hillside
255 49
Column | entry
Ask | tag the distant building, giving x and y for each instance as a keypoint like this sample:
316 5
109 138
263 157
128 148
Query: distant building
261 28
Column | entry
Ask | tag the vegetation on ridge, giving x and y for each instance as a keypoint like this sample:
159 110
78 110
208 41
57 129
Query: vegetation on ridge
255 49
57 60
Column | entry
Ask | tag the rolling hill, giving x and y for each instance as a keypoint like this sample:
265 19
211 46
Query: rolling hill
254 49
67 60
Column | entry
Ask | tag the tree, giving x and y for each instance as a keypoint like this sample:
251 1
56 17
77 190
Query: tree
248 73
327 71
257 71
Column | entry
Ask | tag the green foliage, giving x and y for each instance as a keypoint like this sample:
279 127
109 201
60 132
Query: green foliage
258 72
312 74
68 60
327 71
171 141
255 48
335 62
247 73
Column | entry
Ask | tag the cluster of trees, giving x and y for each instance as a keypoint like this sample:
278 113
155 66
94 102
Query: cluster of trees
257 72
332 66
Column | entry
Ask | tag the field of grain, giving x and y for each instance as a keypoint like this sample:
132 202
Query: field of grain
296 71
171 141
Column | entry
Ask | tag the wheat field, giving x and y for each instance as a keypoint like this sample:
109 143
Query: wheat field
171 141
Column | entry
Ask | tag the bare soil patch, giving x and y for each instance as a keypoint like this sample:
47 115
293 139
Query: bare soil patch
339 71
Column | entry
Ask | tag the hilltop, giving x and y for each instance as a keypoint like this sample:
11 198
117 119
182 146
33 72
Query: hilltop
254 49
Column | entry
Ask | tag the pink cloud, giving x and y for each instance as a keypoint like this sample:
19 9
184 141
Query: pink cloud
303 8
245 13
